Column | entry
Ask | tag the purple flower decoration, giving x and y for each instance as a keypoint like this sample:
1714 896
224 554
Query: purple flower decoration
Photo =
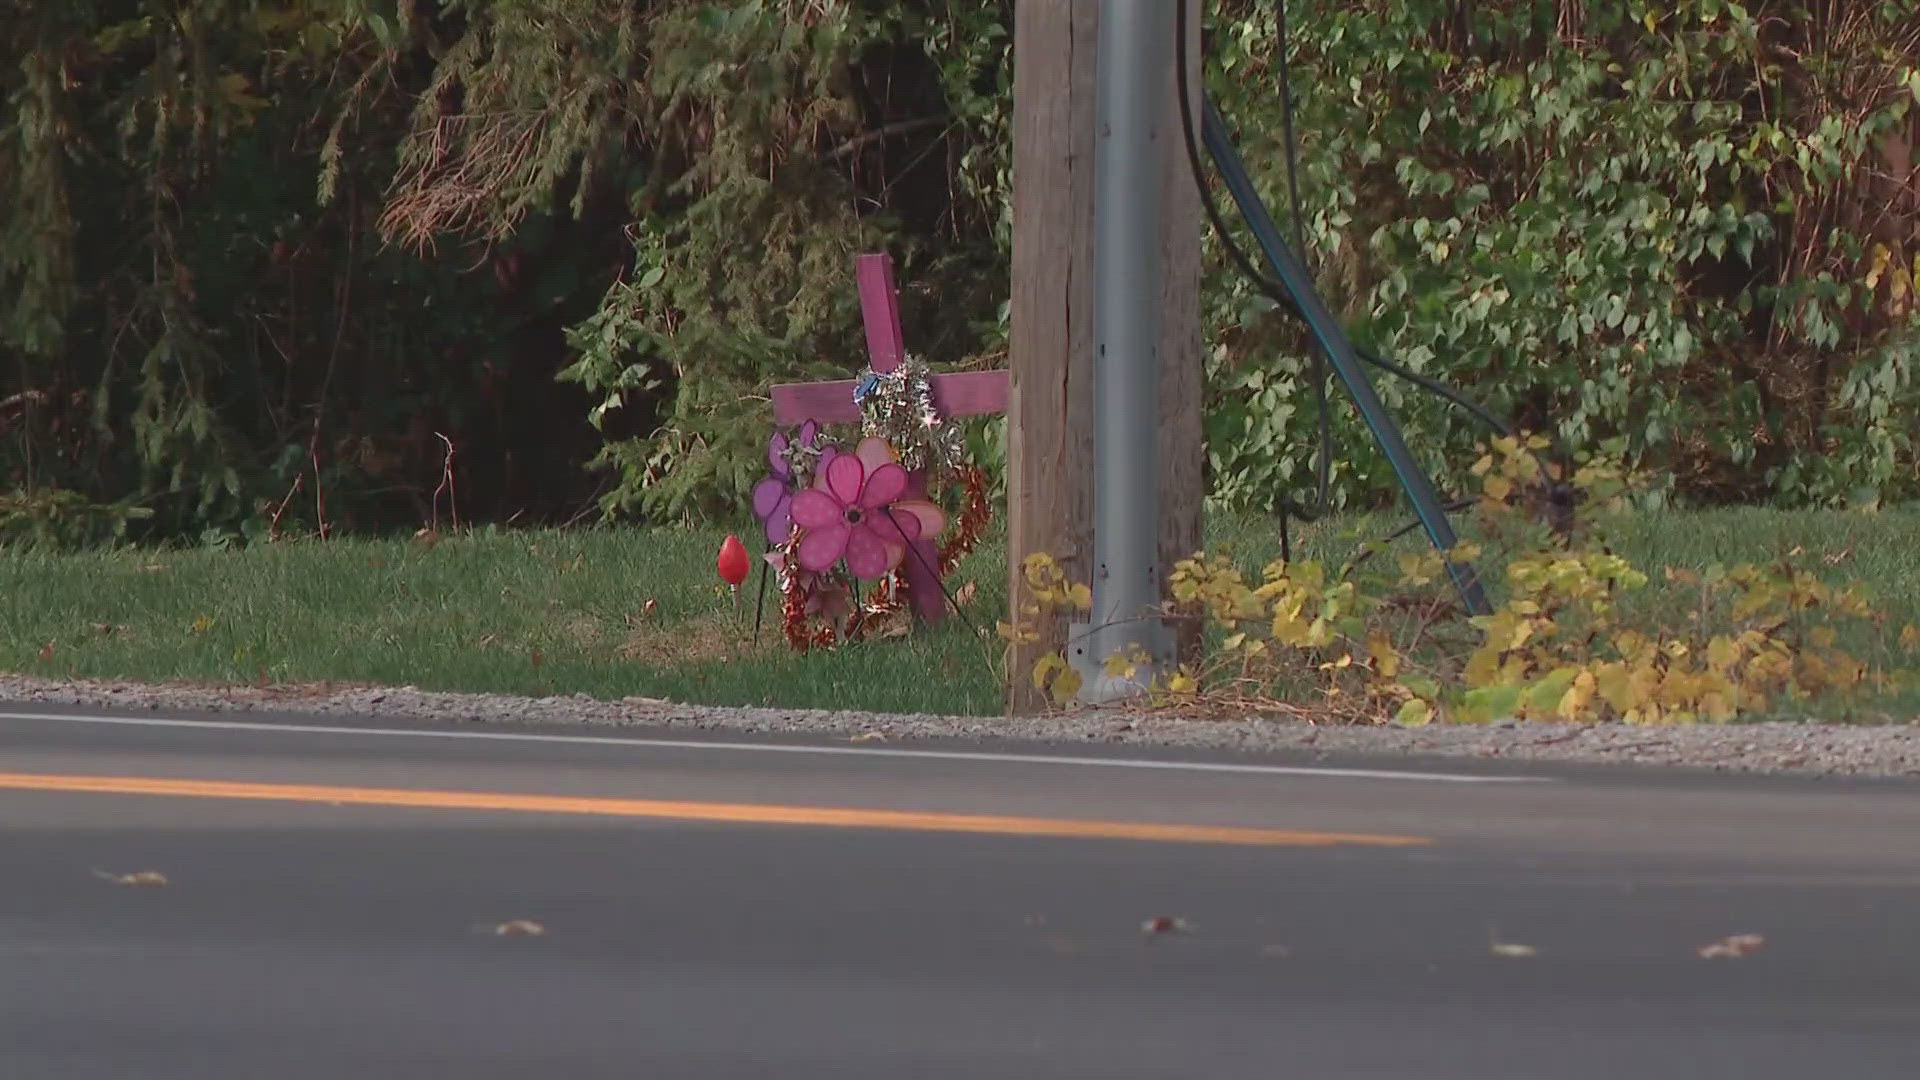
773 496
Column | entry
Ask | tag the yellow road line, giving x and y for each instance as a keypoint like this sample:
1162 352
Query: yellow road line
737 813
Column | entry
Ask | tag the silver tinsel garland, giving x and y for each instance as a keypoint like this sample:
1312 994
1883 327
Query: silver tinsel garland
898 407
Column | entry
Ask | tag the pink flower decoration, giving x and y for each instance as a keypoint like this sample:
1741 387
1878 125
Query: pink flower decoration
855 511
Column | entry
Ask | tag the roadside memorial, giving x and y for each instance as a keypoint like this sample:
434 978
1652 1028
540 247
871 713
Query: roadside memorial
861 536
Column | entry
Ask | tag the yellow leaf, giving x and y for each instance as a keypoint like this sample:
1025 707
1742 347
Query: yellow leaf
1182 683
1081 596
1910 637
1722 652
202 624
1121 665
1498 487
1578 696
1418 569
1045 668
1021 634
1234 641
1385 658
1039 569
1679 576
1066 687
1878 265
1414 712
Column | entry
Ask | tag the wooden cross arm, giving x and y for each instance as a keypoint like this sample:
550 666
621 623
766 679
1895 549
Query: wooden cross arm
965 393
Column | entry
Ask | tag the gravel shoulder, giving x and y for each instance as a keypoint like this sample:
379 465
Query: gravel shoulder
1888 750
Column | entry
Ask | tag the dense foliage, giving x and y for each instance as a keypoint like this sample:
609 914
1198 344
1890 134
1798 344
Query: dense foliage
279 264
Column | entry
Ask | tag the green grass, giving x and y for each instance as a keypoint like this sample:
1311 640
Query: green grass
546 612
534 613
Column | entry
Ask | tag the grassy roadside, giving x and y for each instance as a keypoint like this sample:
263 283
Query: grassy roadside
546 612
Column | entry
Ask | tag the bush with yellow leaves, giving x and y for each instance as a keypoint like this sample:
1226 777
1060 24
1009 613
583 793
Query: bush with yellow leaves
1367 644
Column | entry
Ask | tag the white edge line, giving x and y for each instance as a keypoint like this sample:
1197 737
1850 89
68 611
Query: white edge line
785 748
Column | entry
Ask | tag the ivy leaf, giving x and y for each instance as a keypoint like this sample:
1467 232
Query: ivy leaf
1066 687
1497 702
1045 668
1382 654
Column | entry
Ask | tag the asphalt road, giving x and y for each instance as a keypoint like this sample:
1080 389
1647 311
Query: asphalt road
334 900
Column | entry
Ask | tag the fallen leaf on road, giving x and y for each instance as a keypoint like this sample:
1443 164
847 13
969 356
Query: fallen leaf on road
870 736
1165 924
519 928
1732 948
138 877
1511 949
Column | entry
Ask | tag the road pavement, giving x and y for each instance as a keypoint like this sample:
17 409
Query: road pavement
205 897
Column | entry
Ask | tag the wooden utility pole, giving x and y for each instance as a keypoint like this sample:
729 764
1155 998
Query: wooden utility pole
1051 421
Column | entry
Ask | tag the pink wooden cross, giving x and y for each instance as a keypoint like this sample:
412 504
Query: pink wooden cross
967 393
970 393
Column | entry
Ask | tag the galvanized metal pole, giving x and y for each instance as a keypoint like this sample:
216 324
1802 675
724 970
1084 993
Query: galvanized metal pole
1135 60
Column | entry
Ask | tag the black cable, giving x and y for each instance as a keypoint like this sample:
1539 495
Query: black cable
1265 283
1271 288
1289 509
1274 290
1323 408
1366 553
760 605
932 572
